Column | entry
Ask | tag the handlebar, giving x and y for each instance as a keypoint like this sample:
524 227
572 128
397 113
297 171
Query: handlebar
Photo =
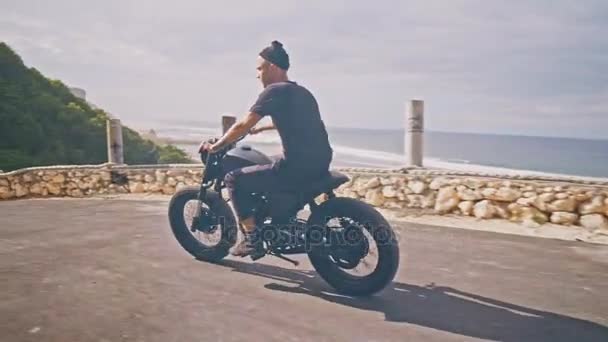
206 155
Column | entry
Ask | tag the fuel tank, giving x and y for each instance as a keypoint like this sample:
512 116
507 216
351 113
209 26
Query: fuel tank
241 156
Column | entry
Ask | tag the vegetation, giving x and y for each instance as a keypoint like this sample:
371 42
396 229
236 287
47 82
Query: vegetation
43 123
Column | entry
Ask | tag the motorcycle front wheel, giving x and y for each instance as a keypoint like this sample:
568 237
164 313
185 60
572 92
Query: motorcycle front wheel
210 239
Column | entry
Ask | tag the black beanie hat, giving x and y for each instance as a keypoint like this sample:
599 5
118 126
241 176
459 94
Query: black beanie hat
276 55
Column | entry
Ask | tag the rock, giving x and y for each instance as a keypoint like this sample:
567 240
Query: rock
473 183
392 204
137 188
581 197
594 221
388 191
428 200
529 194
176 172
401 196
54 189
28 177
138 178
45 192
351 194
372 183
375 197
389 180
36 189
105 176
447 199
548 189
455 181
416 186
160 176
6 192
530 223
168 190
562 205
562 195
540 205
171 182
4 182
595 205
58 179
501 195
483 210
562 217
21 191
181 185
501 210
466 207
606 207
149 178
414 201
469 195
439 183
154 187
180 178
526 202
521 213
493 185
546 197
77 193
528 188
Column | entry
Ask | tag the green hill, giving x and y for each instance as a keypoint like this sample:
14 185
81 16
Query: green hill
43 123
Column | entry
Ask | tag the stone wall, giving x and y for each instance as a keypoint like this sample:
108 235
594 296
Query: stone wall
533 201
80 181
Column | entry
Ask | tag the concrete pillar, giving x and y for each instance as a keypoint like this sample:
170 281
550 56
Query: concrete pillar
114 140
414 133
227 122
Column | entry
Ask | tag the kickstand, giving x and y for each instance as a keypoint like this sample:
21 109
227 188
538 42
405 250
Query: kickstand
280 256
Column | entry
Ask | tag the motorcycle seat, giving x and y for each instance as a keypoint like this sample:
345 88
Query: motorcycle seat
329 182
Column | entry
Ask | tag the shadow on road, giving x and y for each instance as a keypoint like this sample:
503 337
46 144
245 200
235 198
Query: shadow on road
441 308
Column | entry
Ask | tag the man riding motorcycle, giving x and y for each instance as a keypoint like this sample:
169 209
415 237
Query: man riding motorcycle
307 153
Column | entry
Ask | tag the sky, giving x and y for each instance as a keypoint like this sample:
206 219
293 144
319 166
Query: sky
534 67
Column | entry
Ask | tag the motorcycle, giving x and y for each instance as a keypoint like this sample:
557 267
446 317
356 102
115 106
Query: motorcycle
339 235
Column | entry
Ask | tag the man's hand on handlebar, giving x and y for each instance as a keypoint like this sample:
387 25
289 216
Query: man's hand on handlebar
214 145
208 146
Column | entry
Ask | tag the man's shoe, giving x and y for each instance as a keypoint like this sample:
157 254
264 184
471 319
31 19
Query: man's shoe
251 245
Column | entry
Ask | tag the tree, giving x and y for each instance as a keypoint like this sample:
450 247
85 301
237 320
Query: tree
43 123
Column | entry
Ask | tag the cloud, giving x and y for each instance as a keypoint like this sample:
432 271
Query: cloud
500 66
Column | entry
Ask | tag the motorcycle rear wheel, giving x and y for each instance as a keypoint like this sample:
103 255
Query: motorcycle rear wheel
376 226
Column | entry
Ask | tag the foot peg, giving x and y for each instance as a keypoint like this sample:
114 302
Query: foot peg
280 256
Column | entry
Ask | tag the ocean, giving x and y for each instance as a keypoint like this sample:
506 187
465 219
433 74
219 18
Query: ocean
355 147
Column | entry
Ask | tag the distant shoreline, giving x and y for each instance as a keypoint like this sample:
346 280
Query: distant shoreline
345 157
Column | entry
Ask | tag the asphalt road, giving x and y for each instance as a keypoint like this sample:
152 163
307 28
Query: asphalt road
110 270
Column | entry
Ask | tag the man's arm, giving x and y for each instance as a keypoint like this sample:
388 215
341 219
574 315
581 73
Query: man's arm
256 130
237 130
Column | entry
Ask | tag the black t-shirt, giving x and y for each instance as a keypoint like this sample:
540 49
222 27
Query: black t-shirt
295 114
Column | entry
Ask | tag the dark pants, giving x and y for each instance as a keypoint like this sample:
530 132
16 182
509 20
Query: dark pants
280 176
